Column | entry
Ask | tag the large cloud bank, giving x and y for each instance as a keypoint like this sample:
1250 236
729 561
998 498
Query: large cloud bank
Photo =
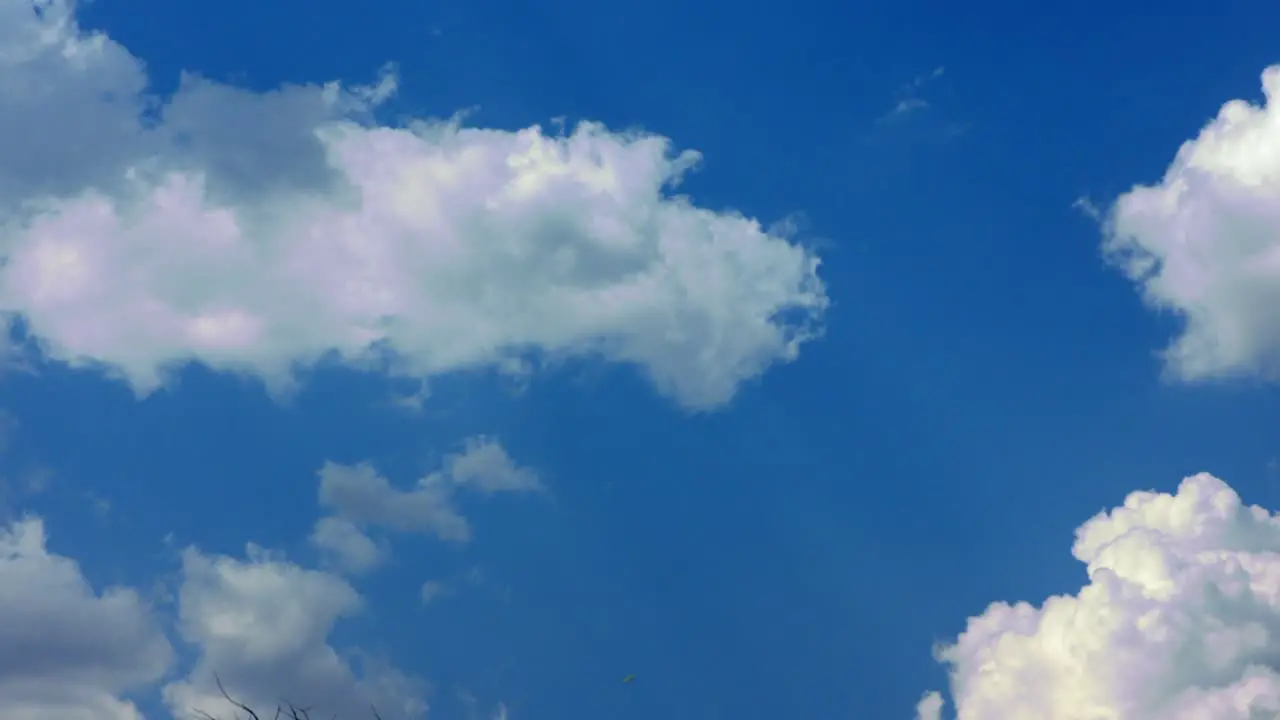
1180 620
260 232
1204 242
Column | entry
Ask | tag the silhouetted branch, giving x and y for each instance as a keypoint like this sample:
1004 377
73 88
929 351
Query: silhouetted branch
293 711
233 701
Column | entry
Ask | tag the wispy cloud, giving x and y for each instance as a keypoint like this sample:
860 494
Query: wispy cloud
1087 207
360 499
911 97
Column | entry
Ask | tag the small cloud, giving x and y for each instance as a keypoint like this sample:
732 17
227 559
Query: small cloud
1087 207
37 479
22 487
263 625
486 466
101 506
474 577
907 105
910 98
346 545
930 707
413 402
360 498
937 73
433 589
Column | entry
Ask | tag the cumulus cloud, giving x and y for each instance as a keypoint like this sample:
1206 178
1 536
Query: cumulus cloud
360 497
910 97
260 232
346 545
433 589
485 465
262 626
1204 242
68 652
1180 620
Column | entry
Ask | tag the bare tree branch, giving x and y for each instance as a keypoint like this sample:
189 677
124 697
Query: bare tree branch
294 712
232 700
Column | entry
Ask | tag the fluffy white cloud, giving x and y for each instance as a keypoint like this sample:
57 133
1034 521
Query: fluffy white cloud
257 232
346 545
485 465
1180 620
68 652
359 494
1204 242
361 497
262 625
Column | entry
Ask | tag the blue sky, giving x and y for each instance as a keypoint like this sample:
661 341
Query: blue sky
504 419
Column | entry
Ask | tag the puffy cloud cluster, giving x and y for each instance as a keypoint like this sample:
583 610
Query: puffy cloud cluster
262 625
1204 242
1180 620
259 232
362 499
345 545
68 652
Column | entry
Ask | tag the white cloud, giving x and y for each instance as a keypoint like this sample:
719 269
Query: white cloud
68 652
485 465
1204 242
262 626
910 97
362 497
257 232
359 494
1180 620
346 545
930 706
433 589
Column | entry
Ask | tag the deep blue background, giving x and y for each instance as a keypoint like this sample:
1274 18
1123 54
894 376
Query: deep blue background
985 385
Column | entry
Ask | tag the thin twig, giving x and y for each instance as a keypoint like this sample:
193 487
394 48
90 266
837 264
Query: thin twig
232 700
